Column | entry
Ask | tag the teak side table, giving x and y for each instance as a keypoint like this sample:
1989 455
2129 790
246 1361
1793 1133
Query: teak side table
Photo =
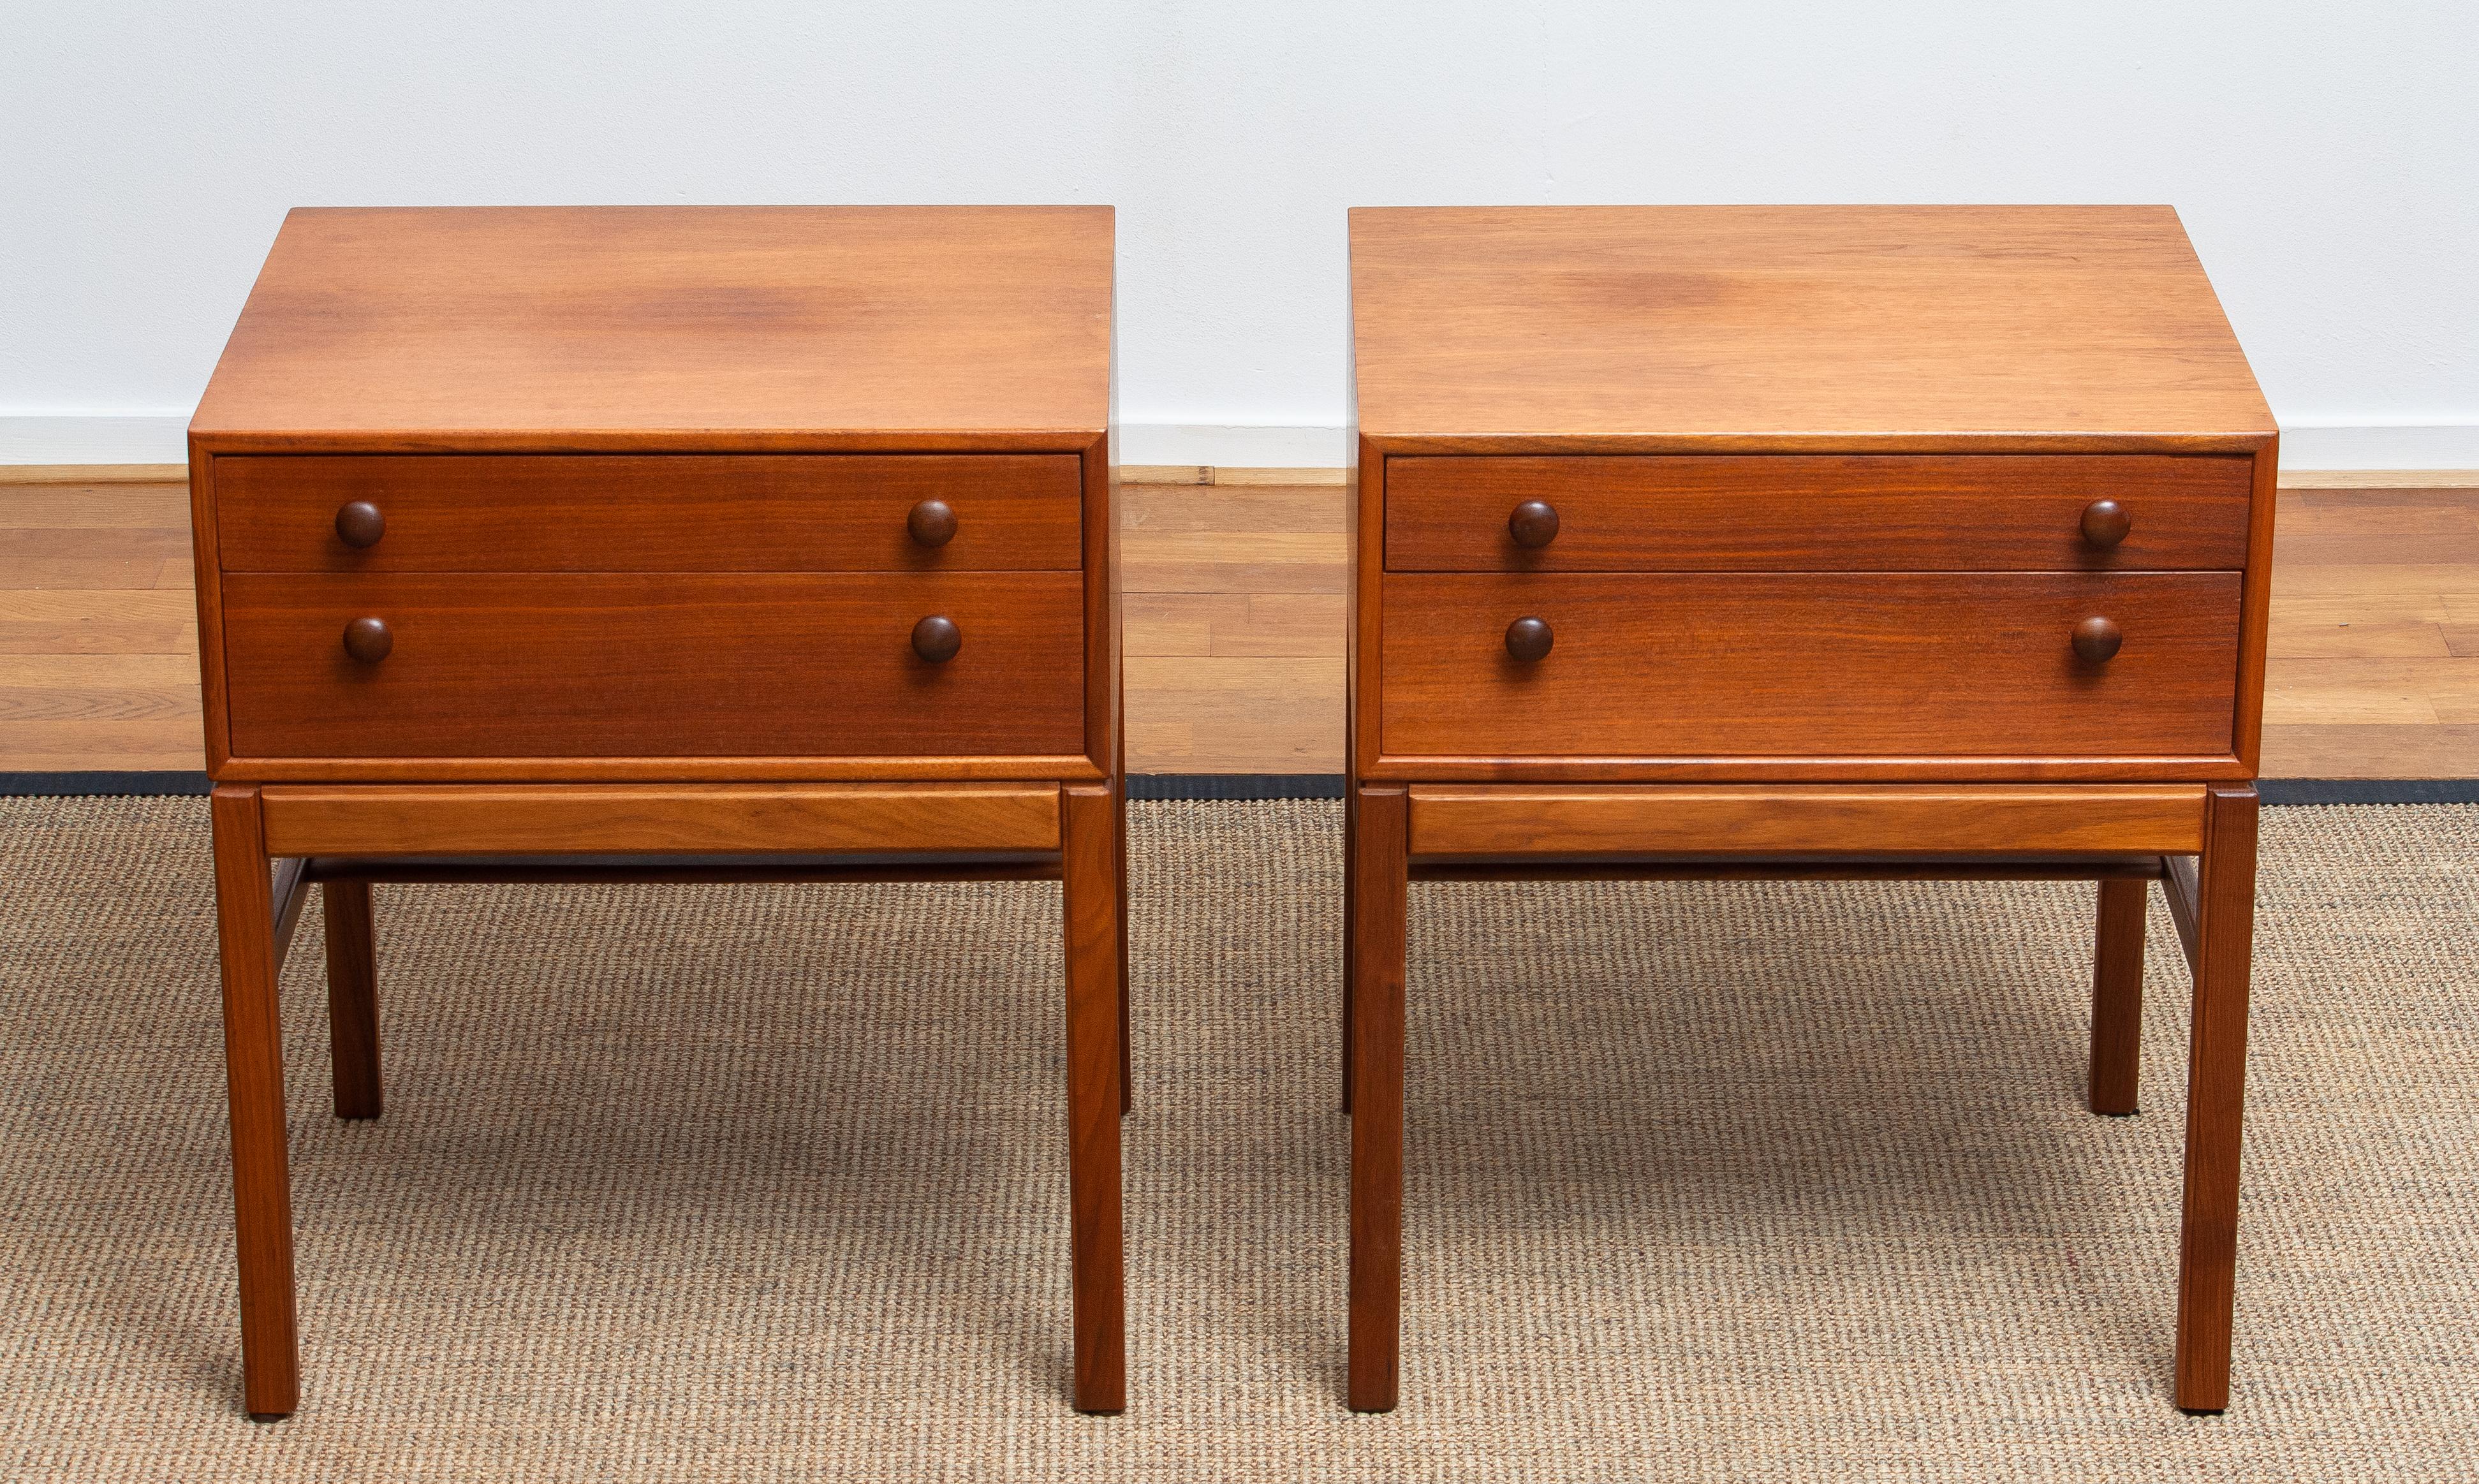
674 543
1807 542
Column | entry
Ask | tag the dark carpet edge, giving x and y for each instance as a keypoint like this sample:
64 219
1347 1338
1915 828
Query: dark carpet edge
146 784
1264 785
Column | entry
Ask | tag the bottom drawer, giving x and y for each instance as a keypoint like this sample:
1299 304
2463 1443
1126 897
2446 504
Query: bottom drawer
653 665
1808 664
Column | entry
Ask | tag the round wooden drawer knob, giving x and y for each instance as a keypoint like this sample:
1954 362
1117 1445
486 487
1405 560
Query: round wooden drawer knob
360 525
1534 524
932 523
936 638
2097 641
1528 639
2106 522
368 640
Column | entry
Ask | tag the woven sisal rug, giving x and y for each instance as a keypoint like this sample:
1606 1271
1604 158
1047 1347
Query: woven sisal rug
1725 1180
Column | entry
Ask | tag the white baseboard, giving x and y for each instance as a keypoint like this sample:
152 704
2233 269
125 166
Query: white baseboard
2443 445
162 438
1236 445
2378 445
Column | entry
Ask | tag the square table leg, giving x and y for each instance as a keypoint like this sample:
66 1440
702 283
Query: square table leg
2117 997
1381 829
2215 1098
1095 903
352 998
254 1075
1119 833
1350 935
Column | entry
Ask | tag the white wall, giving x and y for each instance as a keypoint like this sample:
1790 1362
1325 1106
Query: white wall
2325 157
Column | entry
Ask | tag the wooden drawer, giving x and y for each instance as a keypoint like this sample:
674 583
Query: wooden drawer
654 665
1858 664
649 513
1800 513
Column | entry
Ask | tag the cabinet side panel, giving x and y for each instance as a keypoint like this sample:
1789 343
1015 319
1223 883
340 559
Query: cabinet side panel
1101 665
1365 678
2247 725
215 714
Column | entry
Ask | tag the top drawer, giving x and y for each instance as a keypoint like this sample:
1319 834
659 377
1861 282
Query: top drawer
797 512
1832 513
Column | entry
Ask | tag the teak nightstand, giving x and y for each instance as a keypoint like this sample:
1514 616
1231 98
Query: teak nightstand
1807 542
675 544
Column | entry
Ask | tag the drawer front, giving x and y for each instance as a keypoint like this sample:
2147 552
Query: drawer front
654 665
649 513
1785 513
1808 664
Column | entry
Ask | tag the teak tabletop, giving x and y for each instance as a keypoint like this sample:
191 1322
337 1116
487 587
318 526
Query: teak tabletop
782 328
1792 326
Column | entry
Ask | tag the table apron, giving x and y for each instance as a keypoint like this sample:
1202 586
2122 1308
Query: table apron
1857 819
451 819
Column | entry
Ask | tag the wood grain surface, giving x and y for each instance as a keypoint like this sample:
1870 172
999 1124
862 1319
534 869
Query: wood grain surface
1791 819
1234 622
649 513
1856 513
1093 904
1379 885
2215 1098
593 665
352 998
254 1080
727 328
1791 325
2117 996
399 819
1689 665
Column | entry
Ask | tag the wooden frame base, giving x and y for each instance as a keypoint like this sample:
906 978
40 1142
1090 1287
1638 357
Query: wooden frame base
2197 839
273 843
